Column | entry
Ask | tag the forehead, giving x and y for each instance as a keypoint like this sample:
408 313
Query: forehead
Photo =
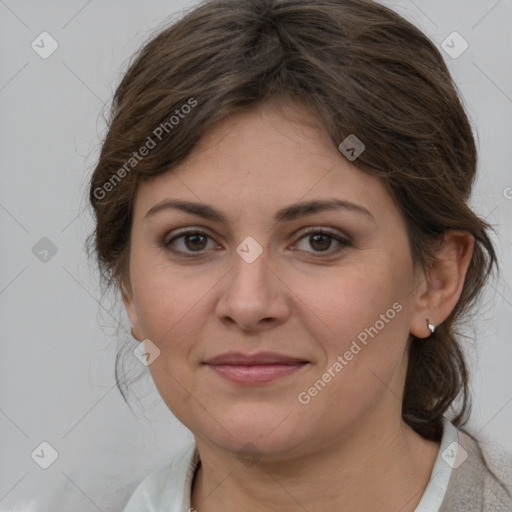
263 159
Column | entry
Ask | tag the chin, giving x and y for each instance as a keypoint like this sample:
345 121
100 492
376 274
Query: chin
260 430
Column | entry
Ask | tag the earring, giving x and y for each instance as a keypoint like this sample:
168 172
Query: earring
431 327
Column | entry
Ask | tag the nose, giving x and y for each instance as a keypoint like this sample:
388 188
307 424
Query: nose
254 298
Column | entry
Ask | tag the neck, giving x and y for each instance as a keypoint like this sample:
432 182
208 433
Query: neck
384 470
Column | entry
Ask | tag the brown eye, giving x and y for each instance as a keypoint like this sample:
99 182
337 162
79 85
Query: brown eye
189 242
195 242
321 241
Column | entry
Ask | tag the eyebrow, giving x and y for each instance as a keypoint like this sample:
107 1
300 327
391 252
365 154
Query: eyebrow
286 214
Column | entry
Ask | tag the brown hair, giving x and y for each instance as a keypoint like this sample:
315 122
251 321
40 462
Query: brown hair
364 70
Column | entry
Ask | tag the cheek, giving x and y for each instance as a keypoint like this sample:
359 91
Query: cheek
171 311
172 303
367 311
365 315
349 301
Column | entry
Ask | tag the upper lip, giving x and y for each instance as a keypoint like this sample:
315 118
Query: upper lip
238 358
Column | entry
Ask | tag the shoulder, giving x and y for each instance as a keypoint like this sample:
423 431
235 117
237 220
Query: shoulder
481 478
167 487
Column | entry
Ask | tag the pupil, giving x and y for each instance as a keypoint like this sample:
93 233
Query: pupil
194 239
321 247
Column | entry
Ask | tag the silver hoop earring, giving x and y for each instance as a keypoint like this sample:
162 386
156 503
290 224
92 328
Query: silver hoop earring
431 327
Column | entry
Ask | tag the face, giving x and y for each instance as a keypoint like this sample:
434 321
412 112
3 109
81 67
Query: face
279 324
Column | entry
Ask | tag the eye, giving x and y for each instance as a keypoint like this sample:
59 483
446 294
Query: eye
192 242
321 241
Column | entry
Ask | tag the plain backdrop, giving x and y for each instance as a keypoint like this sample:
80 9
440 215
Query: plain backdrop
59 338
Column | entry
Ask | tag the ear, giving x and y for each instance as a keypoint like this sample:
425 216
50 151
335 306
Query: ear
131 310
439 293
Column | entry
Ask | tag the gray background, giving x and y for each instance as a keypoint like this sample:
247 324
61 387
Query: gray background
58 334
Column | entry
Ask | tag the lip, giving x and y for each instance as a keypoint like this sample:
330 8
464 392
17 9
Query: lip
254 369
260 358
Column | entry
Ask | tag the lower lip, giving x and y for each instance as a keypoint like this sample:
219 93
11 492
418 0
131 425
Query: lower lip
256 374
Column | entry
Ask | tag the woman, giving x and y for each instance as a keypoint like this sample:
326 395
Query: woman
282 200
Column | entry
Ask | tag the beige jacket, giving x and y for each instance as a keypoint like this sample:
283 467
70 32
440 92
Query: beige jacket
482 483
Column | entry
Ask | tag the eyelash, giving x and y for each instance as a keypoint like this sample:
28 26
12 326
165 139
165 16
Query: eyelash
314 231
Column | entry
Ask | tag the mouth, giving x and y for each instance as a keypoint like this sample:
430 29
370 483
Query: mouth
256 368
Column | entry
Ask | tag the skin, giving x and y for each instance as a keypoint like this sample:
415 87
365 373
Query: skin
348 448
